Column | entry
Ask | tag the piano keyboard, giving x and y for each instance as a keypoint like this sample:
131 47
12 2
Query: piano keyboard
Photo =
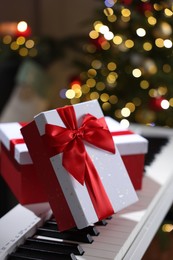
31 233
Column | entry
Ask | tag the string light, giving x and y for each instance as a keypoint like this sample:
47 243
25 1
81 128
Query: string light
141 32
164 104
125 112
124 123
22 26
167 43
137 73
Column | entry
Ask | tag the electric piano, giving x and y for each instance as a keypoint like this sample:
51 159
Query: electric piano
30 232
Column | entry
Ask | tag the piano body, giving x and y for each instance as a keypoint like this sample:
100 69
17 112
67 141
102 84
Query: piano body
127 234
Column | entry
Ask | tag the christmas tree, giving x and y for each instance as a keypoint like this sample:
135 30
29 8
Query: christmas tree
127 63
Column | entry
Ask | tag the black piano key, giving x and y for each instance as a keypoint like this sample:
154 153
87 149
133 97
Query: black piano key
101 223
16 256
23 252
54 246
50 231
110 217
155 145
91 230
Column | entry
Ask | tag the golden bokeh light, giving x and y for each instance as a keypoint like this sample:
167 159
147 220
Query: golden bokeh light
112 77
129 43
96 64
112 18
100 86
106 106
97 25
78 93
29 44
168 12
113 99
92 73
167 227
152 20
159 42
136 101
14 46
105 45
111 66
118 113
171 102
33 52
108 11
125 12
23 52
85 89
91 48
7 39
91 83
153 92
104 97
167 68
144 84
117 39
94 95
162 90
20 40
75 86
130 106
125 19
147 46
157 7
94 34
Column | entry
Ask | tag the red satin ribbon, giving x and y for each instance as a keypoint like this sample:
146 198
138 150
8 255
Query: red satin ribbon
70 141
125 132
13 142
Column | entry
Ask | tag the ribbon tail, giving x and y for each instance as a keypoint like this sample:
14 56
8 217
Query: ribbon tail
99 198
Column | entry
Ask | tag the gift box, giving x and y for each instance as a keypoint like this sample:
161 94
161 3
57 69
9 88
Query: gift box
16 166
80 167
132 148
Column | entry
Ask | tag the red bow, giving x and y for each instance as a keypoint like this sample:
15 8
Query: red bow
70 140
75 159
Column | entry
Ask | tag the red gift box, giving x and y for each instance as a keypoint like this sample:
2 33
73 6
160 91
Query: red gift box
16 166
132 148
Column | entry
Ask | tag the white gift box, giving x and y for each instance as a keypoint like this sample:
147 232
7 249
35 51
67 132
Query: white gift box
109 166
